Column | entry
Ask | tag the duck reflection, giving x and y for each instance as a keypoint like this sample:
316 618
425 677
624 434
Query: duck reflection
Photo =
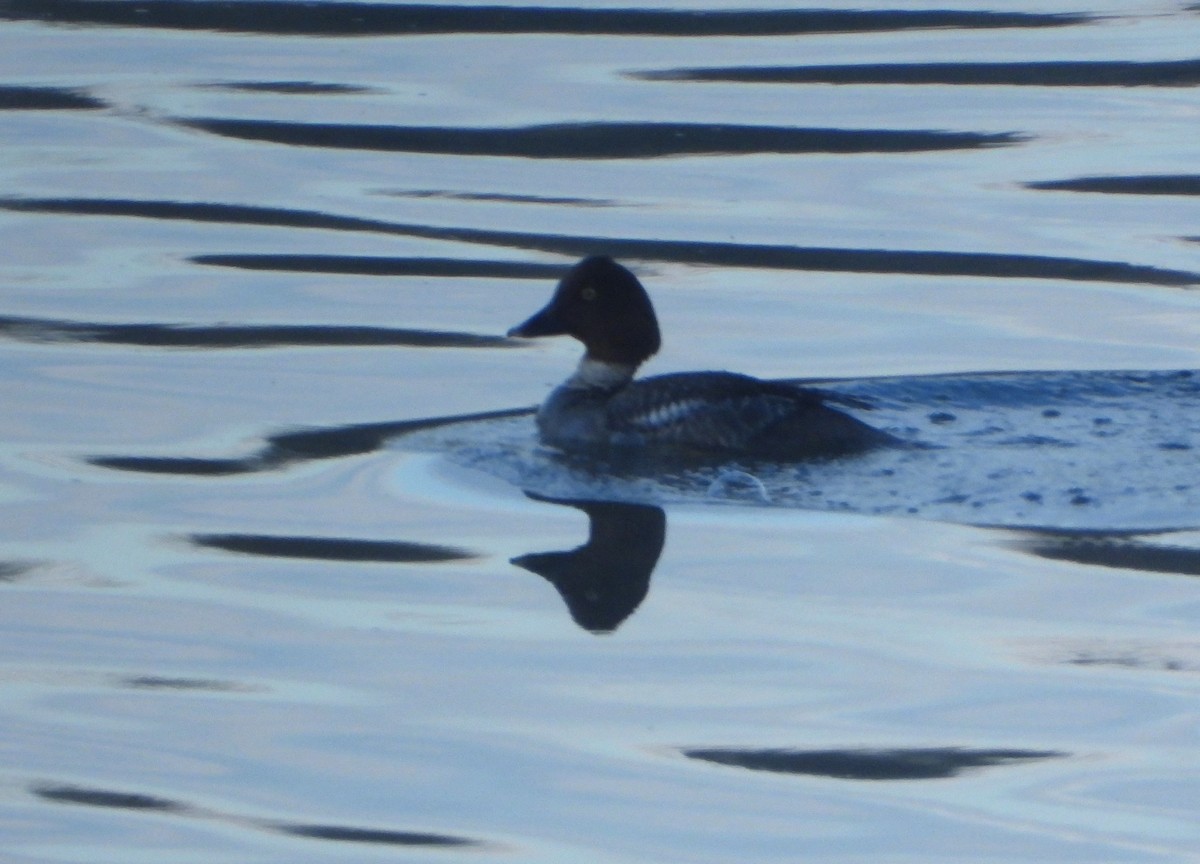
604 580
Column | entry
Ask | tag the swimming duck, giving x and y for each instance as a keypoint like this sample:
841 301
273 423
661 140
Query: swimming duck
604 306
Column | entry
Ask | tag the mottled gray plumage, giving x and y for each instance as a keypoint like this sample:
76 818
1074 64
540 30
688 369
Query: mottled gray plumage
705 410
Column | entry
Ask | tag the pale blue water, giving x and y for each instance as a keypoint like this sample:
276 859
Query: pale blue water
260 603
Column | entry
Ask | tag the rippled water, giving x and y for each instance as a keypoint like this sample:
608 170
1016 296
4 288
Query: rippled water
286 577
1097 451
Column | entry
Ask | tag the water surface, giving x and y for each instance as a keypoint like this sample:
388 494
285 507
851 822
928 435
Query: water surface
286 576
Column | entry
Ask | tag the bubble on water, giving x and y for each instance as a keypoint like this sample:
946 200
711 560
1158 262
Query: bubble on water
735 485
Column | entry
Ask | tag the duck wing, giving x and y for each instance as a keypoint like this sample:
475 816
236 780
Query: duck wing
727 411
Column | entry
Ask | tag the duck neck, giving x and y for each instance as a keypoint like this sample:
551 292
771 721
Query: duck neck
593 374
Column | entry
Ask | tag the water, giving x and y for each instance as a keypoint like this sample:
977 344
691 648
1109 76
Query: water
1095 451
263 602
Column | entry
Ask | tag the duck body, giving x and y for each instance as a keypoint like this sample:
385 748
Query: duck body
722 414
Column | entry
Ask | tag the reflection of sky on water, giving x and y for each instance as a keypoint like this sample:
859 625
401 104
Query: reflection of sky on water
241 620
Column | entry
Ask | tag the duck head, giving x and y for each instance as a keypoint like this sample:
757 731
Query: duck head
605 307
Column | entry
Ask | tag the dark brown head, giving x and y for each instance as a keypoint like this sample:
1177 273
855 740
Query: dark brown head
603 305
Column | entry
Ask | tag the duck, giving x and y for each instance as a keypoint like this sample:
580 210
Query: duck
711 414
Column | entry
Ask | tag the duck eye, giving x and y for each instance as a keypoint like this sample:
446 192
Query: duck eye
587 292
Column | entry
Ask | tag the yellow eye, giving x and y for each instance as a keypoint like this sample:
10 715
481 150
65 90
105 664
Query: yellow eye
588 292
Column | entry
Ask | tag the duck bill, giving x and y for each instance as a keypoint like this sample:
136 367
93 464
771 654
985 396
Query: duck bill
544 323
